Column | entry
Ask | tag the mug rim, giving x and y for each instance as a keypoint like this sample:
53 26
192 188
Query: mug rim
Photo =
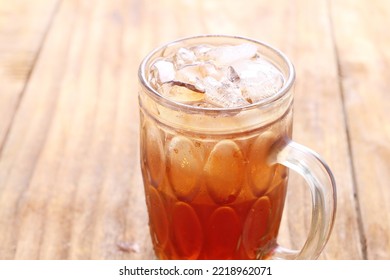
154 94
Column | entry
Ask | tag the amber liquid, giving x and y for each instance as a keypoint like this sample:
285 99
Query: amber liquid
213 197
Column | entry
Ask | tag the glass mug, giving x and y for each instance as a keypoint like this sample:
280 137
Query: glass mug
215 179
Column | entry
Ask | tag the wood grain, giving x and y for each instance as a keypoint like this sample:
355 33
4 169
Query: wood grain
365 69
69 189
23 27
70 182
22 30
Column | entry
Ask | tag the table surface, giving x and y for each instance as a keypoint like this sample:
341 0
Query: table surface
70 182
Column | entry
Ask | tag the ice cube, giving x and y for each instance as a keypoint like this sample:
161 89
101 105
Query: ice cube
218 76
208 69
197 86
259 79
200 51
184 57
163 71
193 74
188 74
223 94
253 94
183 94
200 70
232 75
225 55
253 70
257 91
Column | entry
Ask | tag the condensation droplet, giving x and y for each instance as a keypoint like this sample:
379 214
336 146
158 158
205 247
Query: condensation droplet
185 167
155 159
260 171
224 172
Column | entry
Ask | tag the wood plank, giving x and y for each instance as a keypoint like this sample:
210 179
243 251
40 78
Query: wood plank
365 69
56 169
70 181
23 25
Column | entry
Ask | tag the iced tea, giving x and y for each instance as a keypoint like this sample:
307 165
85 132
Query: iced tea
213 195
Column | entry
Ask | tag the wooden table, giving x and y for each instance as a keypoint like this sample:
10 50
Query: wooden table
70 184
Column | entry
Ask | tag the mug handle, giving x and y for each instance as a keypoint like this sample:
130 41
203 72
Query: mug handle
323 193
